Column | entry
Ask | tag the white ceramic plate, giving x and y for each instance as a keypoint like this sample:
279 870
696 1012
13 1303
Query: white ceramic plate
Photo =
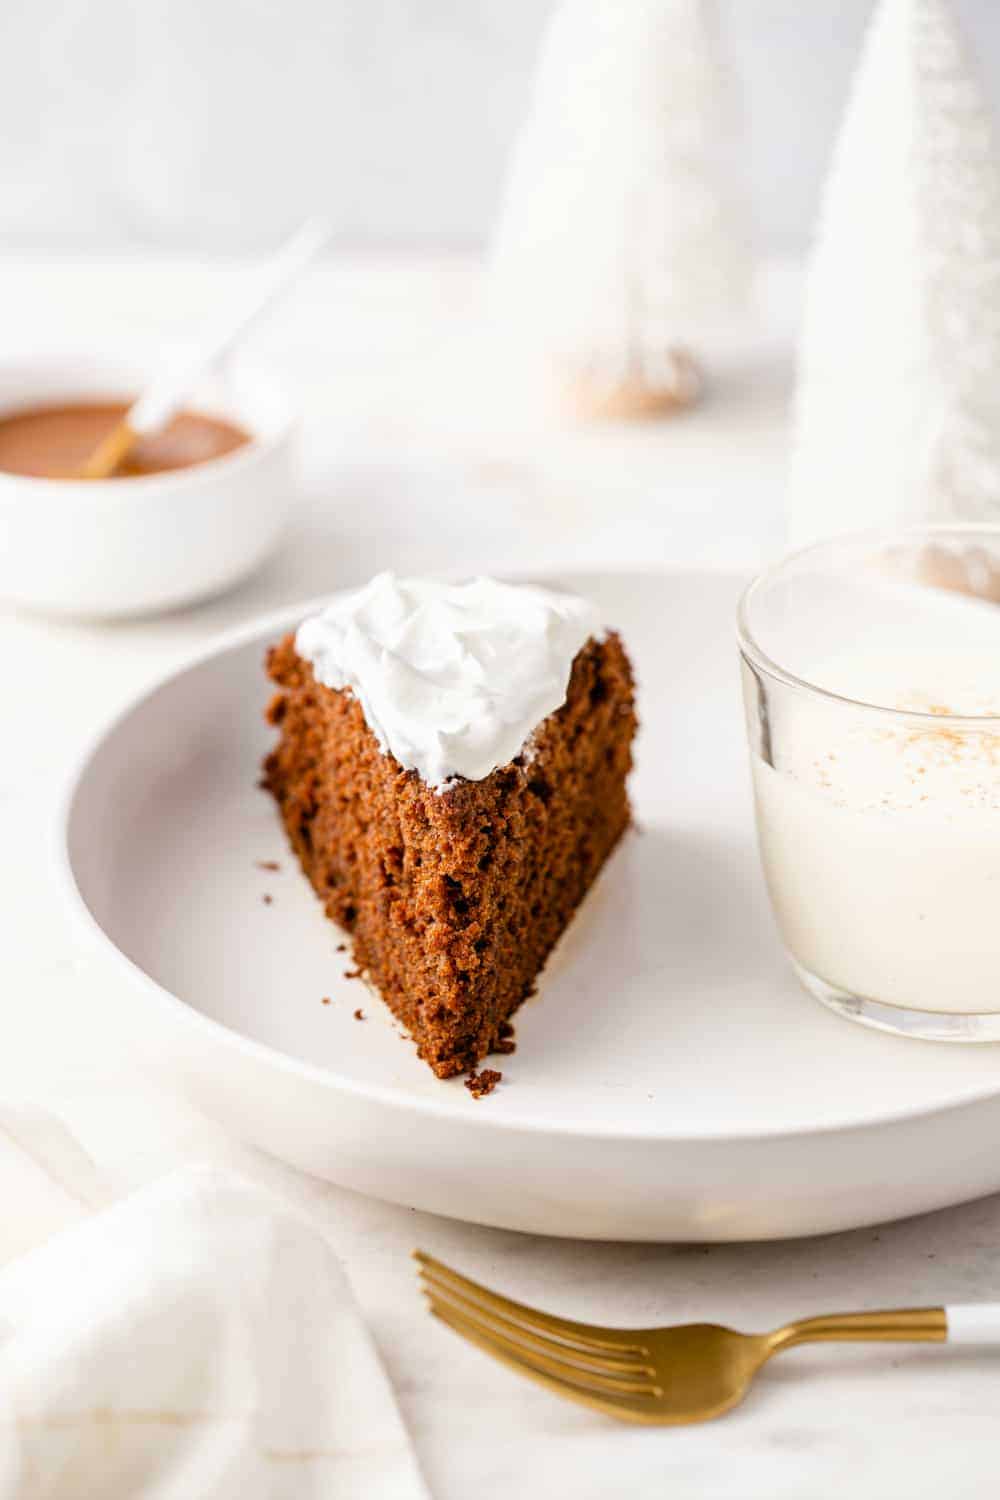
671 1080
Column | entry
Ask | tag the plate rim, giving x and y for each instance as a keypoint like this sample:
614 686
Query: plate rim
181 1012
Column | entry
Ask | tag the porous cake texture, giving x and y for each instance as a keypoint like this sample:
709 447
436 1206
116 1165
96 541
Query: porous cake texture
455 896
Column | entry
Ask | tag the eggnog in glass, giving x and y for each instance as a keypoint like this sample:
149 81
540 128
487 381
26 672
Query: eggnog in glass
871 677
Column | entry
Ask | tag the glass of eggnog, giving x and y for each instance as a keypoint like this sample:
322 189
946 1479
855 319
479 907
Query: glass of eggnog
871 679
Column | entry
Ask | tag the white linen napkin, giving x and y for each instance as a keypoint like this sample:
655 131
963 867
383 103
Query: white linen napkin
197 1340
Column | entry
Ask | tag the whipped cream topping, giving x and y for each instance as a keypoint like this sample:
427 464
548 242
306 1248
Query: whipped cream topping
453 678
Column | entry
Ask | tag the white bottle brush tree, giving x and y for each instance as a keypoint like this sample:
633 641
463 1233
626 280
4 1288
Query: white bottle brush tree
898 413
620 236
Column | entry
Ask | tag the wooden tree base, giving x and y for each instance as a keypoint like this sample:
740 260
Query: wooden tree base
591 396
974 571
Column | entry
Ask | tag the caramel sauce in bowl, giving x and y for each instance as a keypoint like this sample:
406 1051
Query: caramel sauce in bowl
196 507
54 441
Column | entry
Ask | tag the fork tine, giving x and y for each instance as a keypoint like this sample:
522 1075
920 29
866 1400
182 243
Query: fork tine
496 1322
582 1335
557 1363
635 1406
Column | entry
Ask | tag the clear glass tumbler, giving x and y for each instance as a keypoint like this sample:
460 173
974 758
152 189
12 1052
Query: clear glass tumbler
871 679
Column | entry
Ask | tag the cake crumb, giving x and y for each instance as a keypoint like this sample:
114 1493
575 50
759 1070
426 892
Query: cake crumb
481 1084
268 864
267 898
341 947
353 973
359 1015
325 1000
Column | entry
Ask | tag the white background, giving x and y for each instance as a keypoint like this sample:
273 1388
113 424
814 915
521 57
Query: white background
211 124
214 124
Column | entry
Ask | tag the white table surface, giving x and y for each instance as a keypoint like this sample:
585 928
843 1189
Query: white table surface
403 467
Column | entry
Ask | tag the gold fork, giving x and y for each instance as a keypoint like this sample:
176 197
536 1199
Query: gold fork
665 1376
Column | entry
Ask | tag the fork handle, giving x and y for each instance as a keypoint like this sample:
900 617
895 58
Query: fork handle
973 1323
964 1323
908 1325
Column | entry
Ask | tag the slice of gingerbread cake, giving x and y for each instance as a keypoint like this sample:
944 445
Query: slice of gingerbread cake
451 769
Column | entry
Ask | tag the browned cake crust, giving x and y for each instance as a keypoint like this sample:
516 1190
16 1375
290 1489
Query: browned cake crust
453 898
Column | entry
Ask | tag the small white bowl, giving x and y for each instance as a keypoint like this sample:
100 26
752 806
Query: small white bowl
135 546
